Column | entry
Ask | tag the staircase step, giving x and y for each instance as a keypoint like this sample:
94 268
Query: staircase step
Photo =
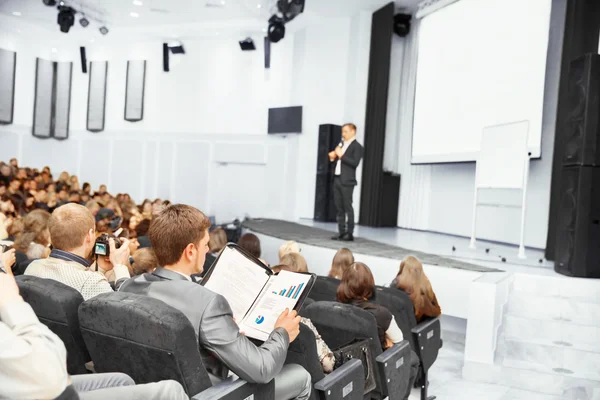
553 309
585 290
567 387
552 360
552 333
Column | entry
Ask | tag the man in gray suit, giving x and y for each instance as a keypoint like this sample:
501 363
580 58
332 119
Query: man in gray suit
179 236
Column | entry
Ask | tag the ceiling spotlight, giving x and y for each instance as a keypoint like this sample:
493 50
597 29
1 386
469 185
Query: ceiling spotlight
134 14
247 44
137 3
259 5
84 22
16 13
66 18
290 8
103 30
276 30
50 3
62 3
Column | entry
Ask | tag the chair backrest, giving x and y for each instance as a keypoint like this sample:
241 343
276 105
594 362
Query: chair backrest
56 305
144 338
401 307
324 289
303 351
340 324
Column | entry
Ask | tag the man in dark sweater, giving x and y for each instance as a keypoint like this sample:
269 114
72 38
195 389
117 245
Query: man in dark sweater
348 155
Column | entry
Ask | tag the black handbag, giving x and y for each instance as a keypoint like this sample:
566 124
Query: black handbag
359 349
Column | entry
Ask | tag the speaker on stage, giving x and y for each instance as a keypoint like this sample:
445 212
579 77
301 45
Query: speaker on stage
578 229
329 137
578 233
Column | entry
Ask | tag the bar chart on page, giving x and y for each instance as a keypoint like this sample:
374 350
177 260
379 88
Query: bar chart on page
292 292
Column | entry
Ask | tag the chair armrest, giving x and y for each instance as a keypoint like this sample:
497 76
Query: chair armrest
347 382
394 369
428 340
235 388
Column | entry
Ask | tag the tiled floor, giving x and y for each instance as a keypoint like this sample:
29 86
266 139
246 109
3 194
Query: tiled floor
446 382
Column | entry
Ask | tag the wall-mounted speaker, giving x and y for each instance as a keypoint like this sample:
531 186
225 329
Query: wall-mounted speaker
84 68
166 57
267 53
8 67
583 121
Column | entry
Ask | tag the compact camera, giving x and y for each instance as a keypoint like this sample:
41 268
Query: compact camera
102 248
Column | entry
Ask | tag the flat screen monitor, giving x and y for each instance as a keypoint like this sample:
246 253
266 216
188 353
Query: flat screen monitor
285 120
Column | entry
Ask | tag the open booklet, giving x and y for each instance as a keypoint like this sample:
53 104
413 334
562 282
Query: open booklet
256 296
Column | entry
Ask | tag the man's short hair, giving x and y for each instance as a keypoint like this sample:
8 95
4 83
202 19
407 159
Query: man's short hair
351 125
174 229
69 225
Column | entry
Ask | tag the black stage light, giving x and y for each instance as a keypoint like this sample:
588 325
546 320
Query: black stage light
103 30
84 22
50 3
276 30
66 18
402 24
247 44
290 8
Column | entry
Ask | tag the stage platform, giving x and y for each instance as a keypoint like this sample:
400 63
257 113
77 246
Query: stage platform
523 326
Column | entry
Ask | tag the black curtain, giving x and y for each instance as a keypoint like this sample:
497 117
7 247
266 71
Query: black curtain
581 31
377 95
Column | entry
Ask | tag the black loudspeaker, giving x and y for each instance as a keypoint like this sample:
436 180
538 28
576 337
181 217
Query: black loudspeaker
83 60
166 57
329 137
578 231
402 24
389 200
583 120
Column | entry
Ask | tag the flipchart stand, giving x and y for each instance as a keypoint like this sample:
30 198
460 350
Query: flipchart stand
503 163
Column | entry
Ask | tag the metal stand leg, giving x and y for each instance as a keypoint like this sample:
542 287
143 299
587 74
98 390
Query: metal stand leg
424 388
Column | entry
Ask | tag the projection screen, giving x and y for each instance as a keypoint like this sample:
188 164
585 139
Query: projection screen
481 63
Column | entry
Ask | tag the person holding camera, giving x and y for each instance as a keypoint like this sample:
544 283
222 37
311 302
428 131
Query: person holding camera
73 236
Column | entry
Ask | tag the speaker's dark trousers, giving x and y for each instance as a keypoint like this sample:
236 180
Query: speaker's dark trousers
342 197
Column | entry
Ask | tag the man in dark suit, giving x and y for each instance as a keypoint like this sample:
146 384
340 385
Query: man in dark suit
179 235
348 156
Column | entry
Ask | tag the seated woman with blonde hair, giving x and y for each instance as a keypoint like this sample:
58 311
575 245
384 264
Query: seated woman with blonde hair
295 261
412 279
290 246
342 260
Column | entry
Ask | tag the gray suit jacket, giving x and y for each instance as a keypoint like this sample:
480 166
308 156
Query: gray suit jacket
221 344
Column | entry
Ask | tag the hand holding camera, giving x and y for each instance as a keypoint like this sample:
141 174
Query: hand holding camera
111 251
119 256
7 259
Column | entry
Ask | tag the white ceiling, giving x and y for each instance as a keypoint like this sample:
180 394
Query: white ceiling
176 18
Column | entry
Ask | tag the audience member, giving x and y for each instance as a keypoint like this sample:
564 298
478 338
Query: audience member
144 260
295 261
342 260
142 233
179 235
357 287
73 236
250 243
288 247
34 240
93 206
412 279
33 361
216 243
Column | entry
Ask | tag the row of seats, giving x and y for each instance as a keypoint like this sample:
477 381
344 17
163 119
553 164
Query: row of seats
151 341
424 338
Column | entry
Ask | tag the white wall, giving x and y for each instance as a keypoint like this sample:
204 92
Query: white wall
203 138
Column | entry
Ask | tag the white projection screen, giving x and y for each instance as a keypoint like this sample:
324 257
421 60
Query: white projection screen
481 63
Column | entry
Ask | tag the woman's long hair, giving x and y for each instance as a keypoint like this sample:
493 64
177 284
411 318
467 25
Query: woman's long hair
35 230
342 260
414 282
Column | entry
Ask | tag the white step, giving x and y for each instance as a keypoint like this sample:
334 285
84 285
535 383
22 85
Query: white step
551 333
553 309
585 290
566 387
551 360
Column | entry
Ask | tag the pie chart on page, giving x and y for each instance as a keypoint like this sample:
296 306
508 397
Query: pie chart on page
259 320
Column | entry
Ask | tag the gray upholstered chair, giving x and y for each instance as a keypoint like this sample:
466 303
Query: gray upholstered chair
152 341
324 289
340 324
56 306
